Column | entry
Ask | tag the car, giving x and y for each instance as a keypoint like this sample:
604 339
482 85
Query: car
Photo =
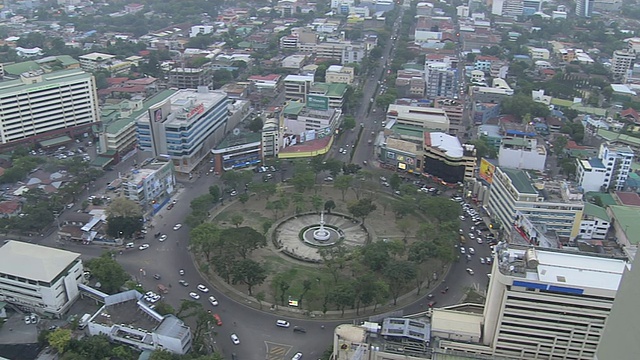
482 261
470 271
162 238
340 150
328 178
430 296
461 217
213 301
479 240
472 251
203 288
130 245
489 260
462 250
183 282
299 329
170 207
156 276
233 193
234 339
143 246
386 184
297 356
432 304
34 319
177 227
181 272
460 231
471 236
282 323
27 319
158 234
218 320
194 295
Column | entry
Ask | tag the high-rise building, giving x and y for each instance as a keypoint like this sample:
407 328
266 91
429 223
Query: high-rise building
185 126
584 8
622 62
46 105
441 81
510 8
557 205
617 160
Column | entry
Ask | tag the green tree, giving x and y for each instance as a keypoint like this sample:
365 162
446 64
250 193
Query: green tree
395 181
256 124
59 339
329 205
108 272
398 274
316 202
237 219
303 181
343 183
214 191
243 198
206 238
260 297
266 225
362 208
163 308
249 272
243 240
349 122
342 296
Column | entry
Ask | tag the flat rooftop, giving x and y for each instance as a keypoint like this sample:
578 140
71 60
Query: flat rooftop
450 145
520 180
34 262
126 313
564 270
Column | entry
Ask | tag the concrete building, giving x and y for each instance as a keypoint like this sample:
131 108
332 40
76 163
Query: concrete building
595 223
117 133
270 138
39 279
298 119
99 61
618 160
507 8
522 153
545 304
152 184
447 159
539 53
340 74
622 62
584 8
555 204
591 174
296 87
238 150
420 117
454 110
126 318
401 155
190 78
201 30
494 94
47 105
268 83
333 92
185 125
441 81
294 62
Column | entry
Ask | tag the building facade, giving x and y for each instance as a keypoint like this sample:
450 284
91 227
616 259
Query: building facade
190 78
595 223
617 160
622 62
448 160
296 87
46 105
39 279
591 174
522 153
185 126
420 117
152 184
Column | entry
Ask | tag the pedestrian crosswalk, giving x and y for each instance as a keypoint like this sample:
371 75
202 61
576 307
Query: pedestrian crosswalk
276 351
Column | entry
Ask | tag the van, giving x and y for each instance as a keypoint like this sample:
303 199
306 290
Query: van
130 245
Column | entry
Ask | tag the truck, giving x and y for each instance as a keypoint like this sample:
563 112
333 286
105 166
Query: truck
84 321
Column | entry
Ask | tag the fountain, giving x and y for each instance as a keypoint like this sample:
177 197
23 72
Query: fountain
321 234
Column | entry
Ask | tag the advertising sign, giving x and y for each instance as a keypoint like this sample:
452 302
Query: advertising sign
317 102
197 110
487 170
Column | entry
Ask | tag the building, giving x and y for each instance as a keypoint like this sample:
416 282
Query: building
238 150
591 174
622 62
294 62
431 119
522 153
99 61
126 318
507 8
270 138
483 112
539 53
494 94
185 125
117 131
152 184
401 155
441 81
544 304
339 74
333 93
190 78
618 160
268 83
39 279
446 159
47 105
201 30
595 222
584 8
557 205
296 87
454 110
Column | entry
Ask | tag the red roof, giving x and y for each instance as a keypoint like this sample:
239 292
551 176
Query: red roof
574 146
308 146
270 77
630 112
427 139
9 207
487 58
628 198
116 80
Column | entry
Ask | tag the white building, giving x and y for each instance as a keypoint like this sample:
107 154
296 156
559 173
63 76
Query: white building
185 125
296 87
617 160
554 204
152 184
545 304
591 174
39 279
92 61
56 103
622 62
539 53
126 318
201 30
510 8
522 153
427 118
595 222
339 74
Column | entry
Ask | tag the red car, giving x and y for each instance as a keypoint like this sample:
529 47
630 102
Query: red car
218 320
170 206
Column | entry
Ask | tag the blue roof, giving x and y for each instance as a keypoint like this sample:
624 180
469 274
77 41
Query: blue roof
520 133
596 163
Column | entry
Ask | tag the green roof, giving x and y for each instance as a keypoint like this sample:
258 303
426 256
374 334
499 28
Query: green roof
515 141
293 108
520 180
412 131
21 67
622 138
606 198
101 161
242 138
331 90
55 141
48 79
112 121
67 60
596 211
561 102
627 218
578 107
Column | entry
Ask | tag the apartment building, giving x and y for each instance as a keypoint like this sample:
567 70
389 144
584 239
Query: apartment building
270 138
622 62
185 125
591 174
522 153
617 160
447 159
595 222
340 74
508 8
432 119
190 78
556 204
39 279
152 184
46 105
441 81
99 61
296 87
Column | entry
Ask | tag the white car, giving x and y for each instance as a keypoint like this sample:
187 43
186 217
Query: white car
181 272
461 217
143 246
471 236
297 356
472 251
162 238
470 271
282 323
235 339
203 288
213 301
27 319
177 227
194 295
233 193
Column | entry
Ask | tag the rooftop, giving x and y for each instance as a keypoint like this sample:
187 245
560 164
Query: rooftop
627 218
560 271
48 79
34 262
243 138
596 211
450 145
520 180
628 198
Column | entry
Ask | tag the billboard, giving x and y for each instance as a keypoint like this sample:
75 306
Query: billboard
487 170
317 102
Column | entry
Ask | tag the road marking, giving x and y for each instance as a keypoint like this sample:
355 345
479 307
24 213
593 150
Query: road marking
276 351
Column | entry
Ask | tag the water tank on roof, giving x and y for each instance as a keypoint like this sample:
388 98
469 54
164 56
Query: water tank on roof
531 258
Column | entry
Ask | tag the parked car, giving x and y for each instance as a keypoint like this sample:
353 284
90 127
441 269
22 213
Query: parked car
299 329
156 276
143 246
282 323
297 356
162 238
470 271
194 295
177 227
183 283
203 288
